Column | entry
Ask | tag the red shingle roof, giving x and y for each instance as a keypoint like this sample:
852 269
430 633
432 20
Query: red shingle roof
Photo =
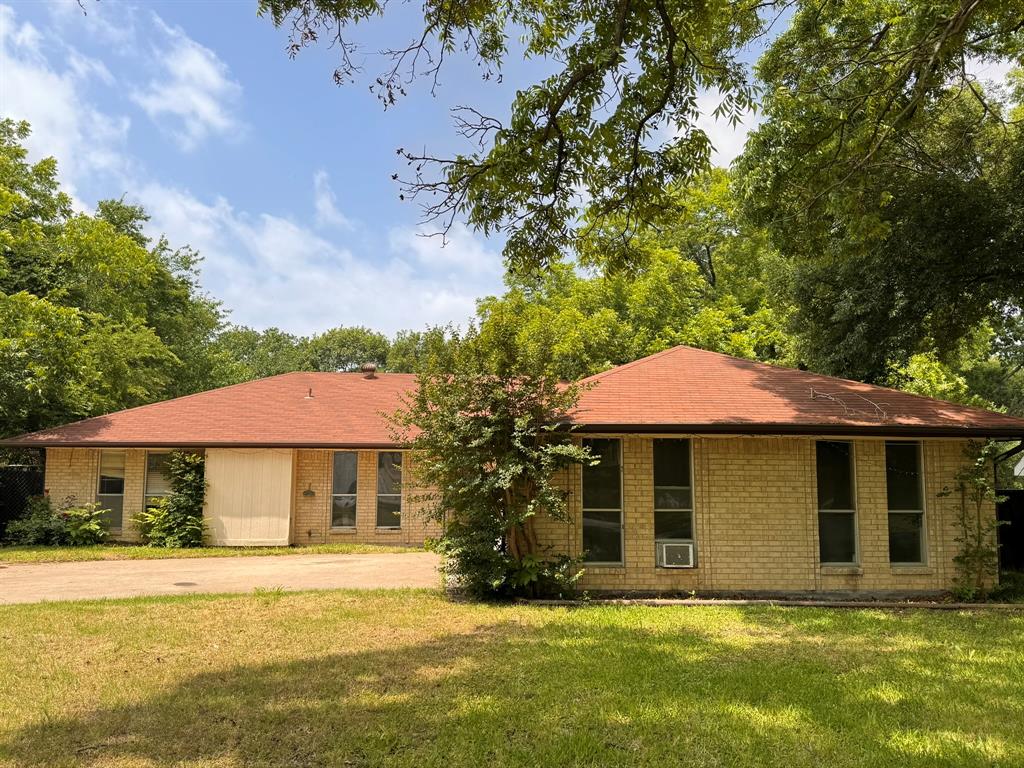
346 410
681 389
693 390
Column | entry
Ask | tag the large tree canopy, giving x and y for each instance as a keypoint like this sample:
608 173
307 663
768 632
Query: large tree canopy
616 124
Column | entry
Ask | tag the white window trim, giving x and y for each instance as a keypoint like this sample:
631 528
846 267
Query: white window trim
853 494
334 495
124 482
693 516
923 562
400 495
621 510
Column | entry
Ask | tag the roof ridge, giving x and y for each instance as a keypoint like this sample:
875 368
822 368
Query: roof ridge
632 363
177 399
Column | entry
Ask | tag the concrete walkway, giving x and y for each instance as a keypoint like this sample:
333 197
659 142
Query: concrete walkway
37 582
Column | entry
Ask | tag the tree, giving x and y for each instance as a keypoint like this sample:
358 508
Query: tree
344 349
616 123
700 277
258 354
91 318
410 350
483 419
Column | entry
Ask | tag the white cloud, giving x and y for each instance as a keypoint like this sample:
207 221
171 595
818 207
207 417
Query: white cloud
111 22
990 70
84 140
727 140
327 213
195 95
273 271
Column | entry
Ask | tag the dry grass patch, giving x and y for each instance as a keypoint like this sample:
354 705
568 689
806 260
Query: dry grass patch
406 678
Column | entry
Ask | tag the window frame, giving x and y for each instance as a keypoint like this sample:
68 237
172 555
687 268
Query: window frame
401 488
921 513
692 541
856 562
124 481
146 496
621 562
354 496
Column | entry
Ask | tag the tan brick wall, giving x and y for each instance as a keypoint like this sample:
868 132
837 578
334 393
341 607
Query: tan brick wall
312 524
755 520
72 475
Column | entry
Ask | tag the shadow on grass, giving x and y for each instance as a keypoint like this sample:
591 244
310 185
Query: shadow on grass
590 692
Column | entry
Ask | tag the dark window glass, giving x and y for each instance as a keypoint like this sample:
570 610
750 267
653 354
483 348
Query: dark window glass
602 483
602 503
673 525
837 541
835 475
110 489
905 533
903 476
343 511
602 536
345 472
389 489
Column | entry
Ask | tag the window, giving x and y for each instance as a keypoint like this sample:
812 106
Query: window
906 503
389 489
110 490
343 489
837 515
673 494
158 482
602 503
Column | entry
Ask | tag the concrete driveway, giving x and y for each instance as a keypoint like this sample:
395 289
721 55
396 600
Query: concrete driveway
36 582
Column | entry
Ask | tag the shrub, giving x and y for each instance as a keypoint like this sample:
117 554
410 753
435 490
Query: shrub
75 525
85 524
39 524
176 520
483 419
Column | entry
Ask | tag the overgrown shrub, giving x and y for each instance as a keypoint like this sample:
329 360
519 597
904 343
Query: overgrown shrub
39 524
73 524
483 418
977 562
176 520
86 524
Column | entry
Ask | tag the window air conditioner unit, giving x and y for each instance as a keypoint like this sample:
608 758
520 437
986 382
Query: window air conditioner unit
673 554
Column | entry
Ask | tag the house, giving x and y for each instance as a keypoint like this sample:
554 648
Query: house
717 474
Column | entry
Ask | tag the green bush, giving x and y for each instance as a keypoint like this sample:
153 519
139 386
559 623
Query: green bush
176 520
39 524
85 524
74 525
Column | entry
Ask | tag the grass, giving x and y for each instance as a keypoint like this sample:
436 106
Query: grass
136 552
409 679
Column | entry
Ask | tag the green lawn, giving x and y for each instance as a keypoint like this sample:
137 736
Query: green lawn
408 679
134 552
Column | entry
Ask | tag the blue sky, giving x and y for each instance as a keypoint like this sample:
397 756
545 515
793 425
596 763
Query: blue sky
280 178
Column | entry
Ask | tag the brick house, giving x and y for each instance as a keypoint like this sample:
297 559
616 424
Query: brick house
717 474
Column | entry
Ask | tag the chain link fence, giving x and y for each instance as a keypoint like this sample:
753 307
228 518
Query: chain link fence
18 483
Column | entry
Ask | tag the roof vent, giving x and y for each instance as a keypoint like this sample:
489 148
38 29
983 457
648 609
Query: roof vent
370 369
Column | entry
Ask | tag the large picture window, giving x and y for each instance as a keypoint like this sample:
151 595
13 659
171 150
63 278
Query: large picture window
673 492
602 503
110 488
389 489
837 507
344 485
158 479
905 501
